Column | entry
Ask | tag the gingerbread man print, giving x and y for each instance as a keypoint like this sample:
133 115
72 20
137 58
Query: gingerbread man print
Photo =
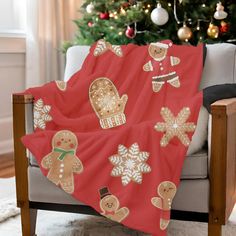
166 192
162 65
110 206
62 161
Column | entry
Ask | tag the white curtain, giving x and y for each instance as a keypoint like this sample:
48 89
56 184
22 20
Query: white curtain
49 23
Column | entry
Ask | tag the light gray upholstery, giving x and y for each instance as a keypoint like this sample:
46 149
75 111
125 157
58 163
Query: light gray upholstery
74 60
192 195
195 165
220 66
42 190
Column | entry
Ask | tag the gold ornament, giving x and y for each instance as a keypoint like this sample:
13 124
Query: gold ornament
213 31
184 33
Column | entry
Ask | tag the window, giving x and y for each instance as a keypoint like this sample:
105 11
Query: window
12 16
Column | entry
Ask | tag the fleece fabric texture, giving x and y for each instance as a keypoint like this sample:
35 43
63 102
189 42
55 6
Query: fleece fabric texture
114 137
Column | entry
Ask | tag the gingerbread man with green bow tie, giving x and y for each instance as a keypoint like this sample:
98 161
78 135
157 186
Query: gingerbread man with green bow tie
62 162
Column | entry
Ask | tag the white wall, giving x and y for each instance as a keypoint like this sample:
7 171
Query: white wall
12 79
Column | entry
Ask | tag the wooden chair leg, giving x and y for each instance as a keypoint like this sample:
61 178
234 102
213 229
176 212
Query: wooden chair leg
25 221
28 221
214 229
33 220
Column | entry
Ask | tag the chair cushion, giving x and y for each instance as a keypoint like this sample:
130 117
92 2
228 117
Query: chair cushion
200 135
220 65
195 165
192 195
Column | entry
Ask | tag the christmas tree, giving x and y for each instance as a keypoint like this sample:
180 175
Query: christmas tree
142 22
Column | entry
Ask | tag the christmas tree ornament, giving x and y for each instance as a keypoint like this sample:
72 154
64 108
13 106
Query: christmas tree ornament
122 11
224 27
184 33
220 14
125 5
132 2
90 24
159 15
130 32
104 15
213 31
90 8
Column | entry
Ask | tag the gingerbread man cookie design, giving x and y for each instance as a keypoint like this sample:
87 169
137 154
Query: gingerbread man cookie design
162 66
166 191
107 104
110 206
62 162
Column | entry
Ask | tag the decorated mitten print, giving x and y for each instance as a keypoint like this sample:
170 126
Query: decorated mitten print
107 103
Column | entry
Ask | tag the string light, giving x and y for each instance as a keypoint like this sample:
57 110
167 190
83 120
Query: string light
148 6
146 11
122 11
169 4
120 33
198 25
203 5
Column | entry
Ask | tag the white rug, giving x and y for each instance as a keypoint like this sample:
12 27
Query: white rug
67 224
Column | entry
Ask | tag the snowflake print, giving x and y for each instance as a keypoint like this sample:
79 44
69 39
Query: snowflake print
130 163
175 126
107 102
41 114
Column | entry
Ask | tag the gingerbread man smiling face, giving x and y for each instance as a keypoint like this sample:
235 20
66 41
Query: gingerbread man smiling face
156 52
110 206
65 140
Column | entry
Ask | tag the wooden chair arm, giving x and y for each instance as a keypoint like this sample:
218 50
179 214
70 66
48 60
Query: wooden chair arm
21 161
223 161
228 106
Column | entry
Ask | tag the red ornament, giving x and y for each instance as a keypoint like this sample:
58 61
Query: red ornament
125 5
224 27
130 32
104 15
90 24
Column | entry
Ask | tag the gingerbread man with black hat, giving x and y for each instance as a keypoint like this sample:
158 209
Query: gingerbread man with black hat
110 206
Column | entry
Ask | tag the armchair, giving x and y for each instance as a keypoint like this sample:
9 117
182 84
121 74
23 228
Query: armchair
207 191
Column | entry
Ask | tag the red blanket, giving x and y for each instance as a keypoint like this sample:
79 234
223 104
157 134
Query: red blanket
116 135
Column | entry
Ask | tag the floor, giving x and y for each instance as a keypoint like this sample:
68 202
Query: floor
7 169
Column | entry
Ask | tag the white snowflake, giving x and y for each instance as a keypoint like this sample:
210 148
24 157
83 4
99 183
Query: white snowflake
130 163
41 114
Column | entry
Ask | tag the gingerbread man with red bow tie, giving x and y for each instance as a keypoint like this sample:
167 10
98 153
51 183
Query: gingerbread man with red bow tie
110 206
